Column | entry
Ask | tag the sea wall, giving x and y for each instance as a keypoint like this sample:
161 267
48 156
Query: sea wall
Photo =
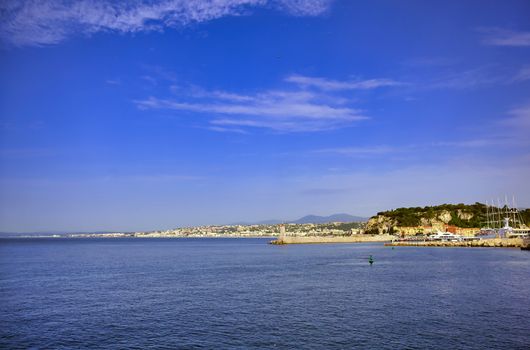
493 242
333 239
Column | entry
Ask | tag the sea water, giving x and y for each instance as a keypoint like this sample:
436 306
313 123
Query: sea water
245 293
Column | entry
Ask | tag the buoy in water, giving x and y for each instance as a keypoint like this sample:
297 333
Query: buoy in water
371 260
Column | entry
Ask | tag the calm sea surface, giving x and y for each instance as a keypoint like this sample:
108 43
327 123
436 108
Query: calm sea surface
244 293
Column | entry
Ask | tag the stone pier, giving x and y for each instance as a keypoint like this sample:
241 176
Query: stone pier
493 242
332 239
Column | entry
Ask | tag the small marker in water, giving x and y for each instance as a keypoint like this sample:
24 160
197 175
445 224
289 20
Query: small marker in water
371 260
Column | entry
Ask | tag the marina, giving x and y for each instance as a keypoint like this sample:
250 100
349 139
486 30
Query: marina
504 221
504 228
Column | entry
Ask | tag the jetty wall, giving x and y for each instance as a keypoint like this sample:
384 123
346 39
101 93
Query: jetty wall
333 239
492 242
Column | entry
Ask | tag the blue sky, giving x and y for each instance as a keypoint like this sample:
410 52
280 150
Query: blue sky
158 114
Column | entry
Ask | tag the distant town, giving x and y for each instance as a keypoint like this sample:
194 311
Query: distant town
263 230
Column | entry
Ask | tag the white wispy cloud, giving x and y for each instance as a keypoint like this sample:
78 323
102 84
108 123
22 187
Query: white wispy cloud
479 77
523 74
113 81
519 119
330 85
472 143
303 7
294 109
359 151
228 130
463 145
430 61
153 178
504 37
266 106
277 110
48 22
469 79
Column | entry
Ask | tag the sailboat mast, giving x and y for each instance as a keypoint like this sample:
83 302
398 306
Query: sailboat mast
506 207
498 218
514 212
487 215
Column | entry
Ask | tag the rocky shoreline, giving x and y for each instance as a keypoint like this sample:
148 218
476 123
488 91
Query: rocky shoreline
493 243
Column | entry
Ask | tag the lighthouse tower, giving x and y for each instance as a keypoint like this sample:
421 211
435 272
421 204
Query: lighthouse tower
281 237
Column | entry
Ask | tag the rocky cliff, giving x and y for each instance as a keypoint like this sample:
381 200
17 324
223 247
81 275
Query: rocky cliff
460 215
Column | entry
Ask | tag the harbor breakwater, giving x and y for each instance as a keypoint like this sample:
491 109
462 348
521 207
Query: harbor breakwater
388 240
493 242
332 239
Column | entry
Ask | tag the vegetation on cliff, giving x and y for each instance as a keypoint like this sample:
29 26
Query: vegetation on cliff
525 216
461 215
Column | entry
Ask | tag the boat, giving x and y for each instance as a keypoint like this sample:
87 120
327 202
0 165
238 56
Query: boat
446 237
503 222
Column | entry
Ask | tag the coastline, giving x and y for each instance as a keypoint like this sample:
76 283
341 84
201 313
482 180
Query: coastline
121 236
387 240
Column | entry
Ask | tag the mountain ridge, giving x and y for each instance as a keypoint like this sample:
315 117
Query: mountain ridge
309 219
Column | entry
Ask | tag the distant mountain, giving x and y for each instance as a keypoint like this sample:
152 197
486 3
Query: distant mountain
309 219
315 219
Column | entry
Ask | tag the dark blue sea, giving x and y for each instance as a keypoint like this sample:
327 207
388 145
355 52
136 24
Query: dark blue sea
246 294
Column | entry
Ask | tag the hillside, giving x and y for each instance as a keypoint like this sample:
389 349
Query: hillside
308 219
460 215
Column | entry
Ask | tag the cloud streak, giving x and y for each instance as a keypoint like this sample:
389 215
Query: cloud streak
519 118
277 110
479 77
295 109
362 151
469 79
335 85
522 75
49 22
504 37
